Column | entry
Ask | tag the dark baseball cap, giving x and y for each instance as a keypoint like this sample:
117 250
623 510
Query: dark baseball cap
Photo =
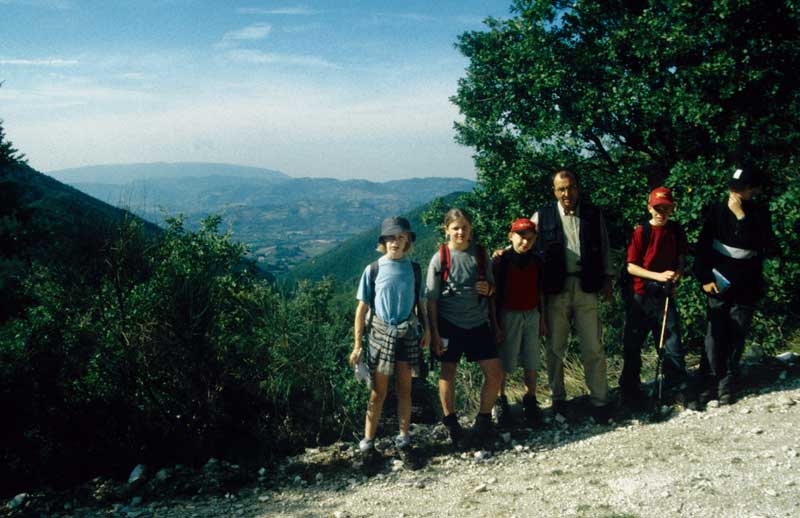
394 225
745 176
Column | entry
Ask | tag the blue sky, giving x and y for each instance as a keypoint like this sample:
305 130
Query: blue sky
353 89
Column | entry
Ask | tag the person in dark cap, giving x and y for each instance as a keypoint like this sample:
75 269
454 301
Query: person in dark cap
389 310
736 237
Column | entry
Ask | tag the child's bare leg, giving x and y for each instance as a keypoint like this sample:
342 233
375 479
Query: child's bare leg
492 378
530 383
380 385
447 387
402 385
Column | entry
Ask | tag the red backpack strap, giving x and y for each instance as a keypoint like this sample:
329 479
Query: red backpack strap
444 259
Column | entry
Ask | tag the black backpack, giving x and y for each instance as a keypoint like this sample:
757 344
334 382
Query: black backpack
625 279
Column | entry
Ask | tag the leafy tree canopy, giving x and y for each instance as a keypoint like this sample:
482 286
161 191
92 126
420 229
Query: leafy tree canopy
631 94
8 154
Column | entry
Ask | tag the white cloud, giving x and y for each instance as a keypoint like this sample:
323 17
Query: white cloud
258 31
413 17
299 10
255 57
69 94
302 28
135 76
50 62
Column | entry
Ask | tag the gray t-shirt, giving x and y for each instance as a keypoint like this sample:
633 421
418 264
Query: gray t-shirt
459 303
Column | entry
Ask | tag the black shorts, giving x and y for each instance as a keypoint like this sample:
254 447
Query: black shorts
476 344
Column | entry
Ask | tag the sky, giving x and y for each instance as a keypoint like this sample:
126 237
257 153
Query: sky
343 89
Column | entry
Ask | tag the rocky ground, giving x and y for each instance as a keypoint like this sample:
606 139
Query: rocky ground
731 461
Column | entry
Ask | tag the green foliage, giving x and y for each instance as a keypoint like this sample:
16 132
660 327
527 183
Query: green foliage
635 95
8 153
163 350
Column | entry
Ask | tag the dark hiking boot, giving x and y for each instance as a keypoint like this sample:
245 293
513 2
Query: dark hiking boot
410 457
454 430
685 394
482 434
370 457
559 408
726 391
601 414
501 412
633 399
708 392
533 414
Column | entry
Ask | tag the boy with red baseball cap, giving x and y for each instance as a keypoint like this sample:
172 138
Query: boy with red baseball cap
519 306
655 261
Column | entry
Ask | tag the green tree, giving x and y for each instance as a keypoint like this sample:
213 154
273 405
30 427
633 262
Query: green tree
631 95
8 154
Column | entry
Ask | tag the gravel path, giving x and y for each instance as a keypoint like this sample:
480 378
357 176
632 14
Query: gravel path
740 460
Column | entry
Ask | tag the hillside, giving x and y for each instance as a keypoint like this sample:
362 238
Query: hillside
49 223
121 174
283 220
347 260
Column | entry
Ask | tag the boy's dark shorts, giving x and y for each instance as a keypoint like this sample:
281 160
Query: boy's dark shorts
476 344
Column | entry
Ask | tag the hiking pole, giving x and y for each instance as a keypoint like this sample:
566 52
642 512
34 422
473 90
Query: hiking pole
660 348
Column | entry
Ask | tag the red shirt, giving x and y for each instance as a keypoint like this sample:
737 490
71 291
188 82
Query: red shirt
522 287
661 254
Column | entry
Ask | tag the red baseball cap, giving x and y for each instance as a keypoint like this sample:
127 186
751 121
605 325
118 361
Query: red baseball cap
523 225
661 196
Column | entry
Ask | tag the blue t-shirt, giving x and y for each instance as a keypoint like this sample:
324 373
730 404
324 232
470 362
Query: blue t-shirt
394 289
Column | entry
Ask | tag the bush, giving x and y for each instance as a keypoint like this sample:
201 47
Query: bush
173 351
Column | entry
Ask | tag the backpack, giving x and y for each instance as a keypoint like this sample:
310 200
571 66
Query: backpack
444 257
625 279
372 276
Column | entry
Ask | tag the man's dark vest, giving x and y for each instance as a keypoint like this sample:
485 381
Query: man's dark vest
551 245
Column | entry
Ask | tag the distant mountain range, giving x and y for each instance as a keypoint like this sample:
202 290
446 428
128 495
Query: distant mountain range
121 174
284 220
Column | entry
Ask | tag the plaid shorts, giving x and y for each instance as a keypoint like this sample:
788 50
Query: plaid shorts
390 344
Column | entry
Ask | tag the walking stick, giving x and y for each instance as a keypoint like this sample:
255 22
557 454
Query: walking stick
660 348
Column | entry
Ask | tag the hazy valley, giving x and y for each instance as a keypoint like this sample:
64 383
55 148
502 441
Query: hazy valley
283 220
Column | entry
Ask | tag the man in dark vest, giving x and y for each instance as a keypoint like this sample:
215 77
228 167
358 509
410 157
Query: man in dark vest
573 243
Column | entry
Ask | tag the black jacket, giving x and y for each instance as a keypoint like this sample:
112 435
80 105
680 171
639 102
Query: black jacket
754 232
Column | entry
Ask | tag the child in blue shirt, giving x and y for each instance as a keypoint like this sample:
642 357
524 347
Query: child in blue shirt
395 344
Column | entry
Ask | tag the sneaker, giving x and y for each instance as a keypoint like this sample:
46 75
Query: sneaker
402 441
533 414
501 412
454 429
